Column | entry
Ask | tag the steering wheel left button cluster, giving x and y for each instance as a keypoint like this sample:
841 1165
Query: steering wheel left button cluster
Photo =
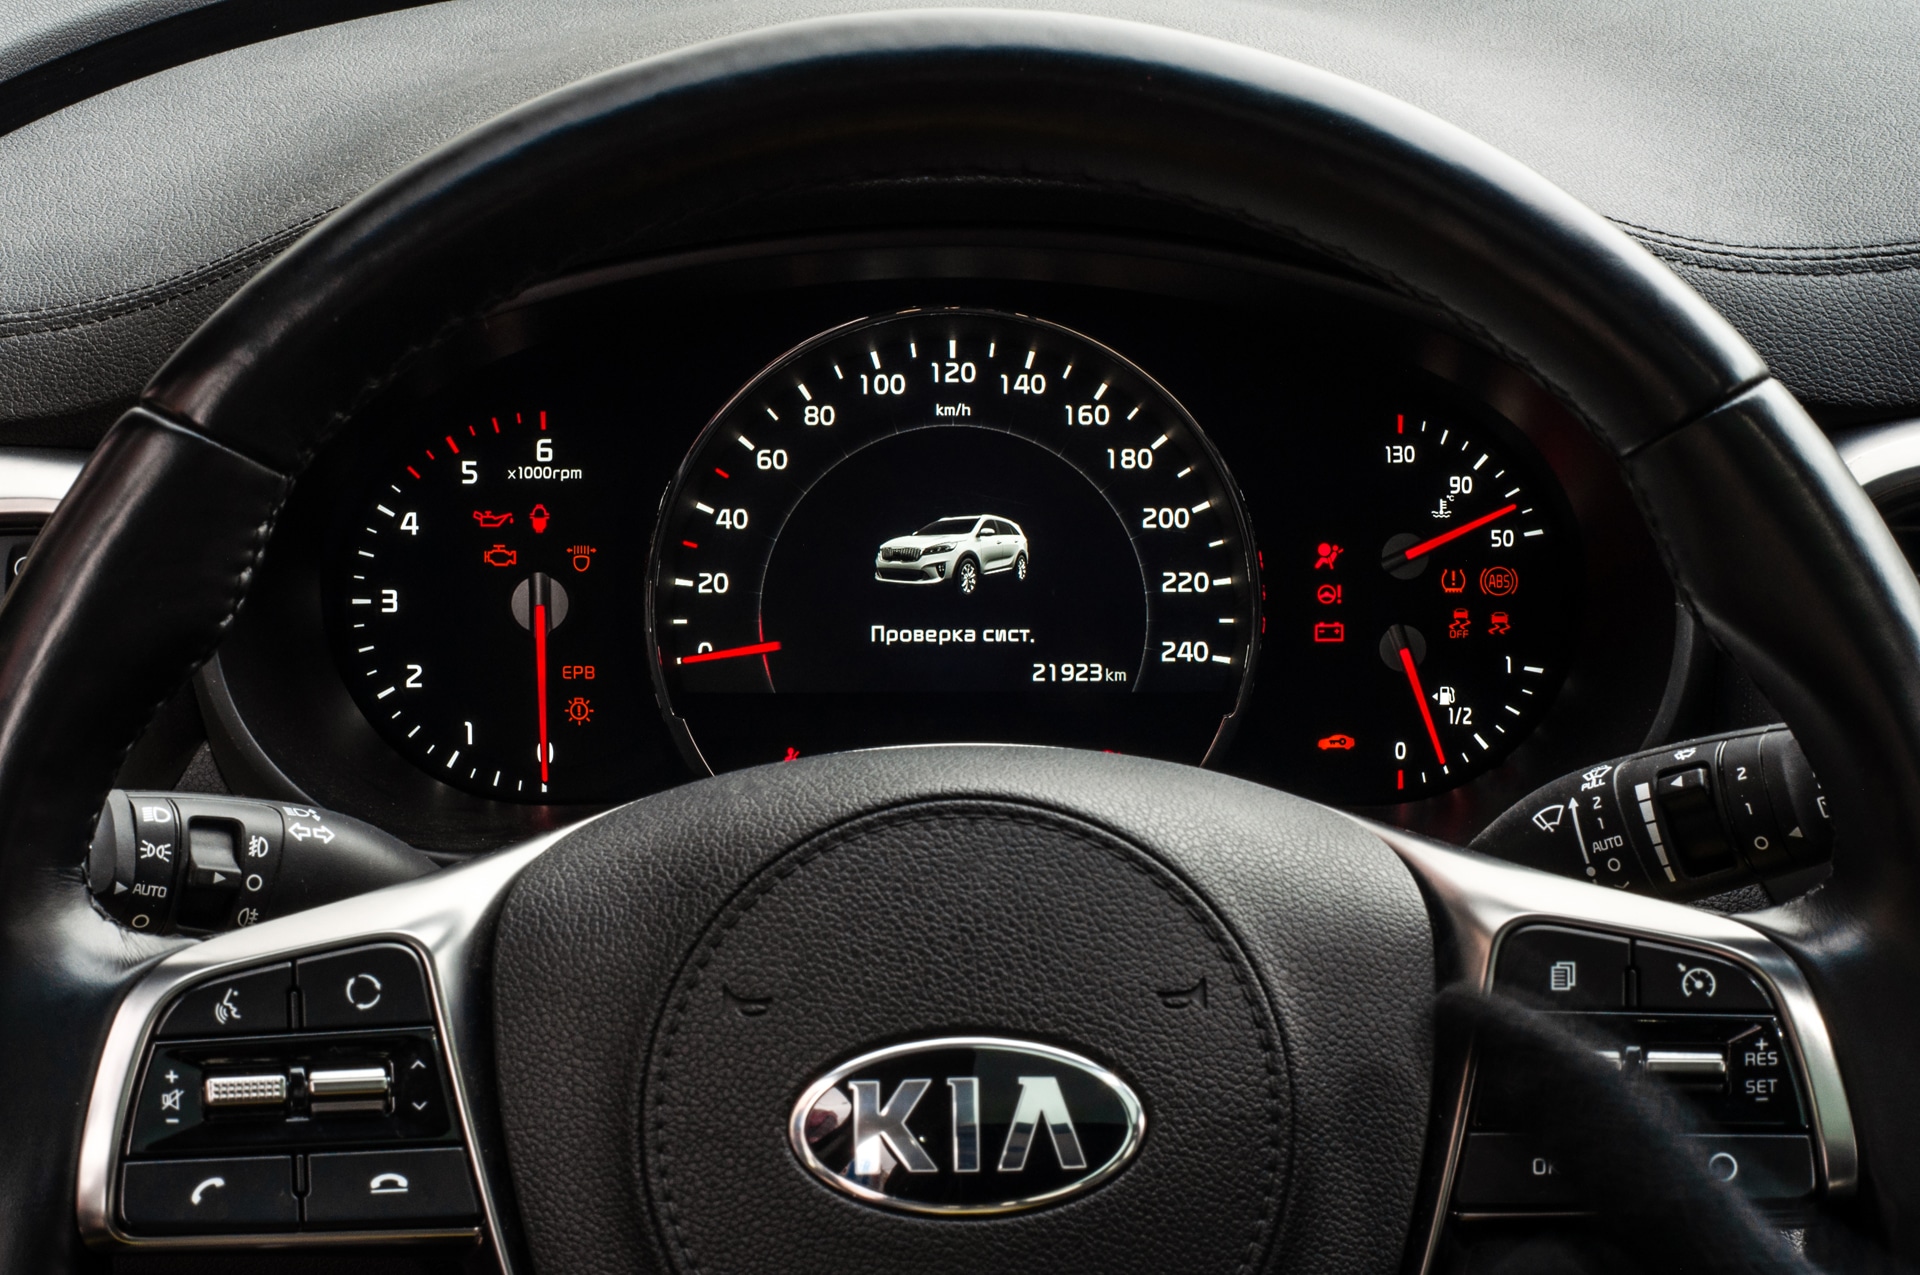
332 1063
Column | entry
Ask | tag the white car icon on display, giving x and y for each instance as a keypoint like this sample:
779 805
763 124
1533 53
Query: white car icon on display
957 549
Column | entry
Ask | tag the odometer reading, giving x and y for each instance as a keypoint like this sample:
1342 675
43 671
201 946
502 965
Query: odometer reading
951 525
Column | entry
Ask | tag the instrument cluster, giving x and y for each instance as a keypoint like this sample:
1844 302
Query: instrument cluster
696 516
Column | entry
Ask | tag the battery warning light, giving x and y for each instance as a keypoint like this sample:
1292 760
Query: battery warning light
1330 631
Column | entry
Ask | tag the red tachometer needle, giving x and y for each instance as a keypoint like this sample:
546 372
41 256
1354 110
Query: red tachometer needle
731 653
1419 694
1401 558
540 677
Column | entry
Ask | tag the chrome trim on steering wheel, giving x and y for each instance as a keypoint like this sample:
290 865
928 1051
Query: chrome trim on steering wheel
443 917
1478 900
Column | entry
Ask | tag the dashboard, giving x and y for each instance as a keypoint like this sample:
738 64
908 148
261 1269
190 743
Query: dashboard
684 516
748 415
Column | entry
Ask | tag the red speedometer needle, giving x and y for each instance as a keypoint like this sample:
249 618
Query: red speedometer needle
731 653
1401 558
1419 694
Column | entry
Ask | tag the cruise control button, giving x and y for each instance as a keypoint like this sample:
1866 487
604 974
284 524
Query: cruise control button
1766 1166
1564 969
242 1004
1675 978
207 1196
378 986
379 1187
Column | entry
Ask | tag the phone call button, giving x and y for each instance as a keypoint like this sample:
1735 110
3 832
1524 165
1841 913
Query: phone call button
205 1197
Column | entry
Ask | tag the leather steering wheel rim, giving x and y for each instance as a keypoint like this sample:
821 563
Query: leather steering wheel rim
135 580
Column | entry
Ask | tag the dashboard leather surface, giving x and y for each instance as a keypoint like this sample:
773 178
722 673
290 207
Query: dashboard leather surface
1760 147
38 31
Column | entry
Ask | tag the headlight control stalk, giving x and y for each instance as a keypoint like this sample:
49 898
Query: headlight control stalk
169 862
1684 821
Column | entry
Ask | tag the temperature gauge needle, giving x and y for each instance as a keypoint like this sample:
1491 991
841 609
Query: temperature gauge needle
1400 559
730 653
1399 635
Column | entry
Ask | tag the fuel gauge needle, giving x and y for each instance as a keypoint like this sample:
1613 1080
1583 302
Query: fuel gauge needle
1399 635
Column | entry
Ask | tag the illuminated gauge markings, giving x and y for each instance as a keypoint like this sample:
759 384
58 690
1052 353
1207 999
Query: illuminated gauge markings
472 614
951 525
1431 621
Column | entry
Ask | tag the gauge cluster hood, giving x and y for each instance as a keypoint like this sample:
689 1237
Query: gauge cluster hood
1761 148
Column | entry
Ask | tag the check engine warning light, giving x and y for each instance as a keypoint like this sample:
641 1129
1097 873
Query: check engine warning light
1329 631
499 556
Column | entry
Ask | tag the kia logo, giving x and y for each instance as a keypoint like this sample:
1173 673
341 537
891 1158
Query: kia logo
966 1125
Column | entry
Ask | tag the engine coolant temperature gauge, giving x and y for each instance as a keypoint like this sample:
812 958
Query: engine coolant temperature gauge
1429 621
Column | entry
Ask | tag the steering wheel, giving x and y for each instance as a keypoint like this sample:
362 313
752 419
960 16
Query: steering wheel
631 1008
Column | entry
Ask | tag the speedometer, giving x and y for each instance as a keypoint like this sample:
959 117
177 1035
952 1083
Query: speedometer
950 525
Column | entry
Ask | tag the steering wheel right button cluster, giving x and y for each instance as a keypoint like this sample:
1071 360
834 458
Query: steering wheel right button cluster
1692 1036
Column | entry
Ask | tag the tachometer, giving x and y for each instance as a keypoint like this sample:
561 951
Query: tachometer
952 525
479 613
